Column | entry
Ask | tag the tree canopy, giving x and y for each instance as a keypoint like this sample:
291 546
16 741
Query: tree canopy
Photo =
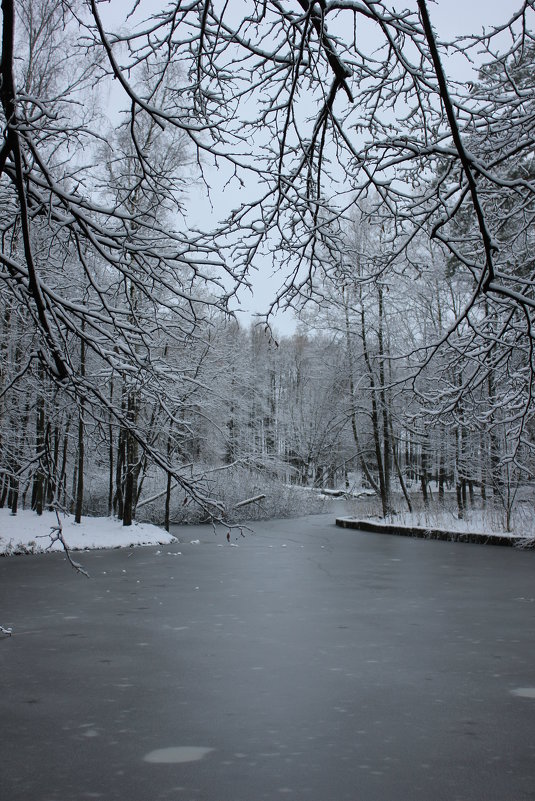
308 110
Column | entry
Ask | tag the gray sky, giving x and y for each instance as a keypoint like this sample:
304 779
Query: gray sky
458 17
450 18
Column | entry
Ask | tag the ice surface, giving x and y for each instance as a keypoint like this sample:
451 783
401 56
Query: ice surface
175 754
524 692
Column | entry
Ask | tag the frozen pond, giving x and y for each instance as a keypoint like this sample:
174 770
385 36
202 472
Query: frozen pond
303 662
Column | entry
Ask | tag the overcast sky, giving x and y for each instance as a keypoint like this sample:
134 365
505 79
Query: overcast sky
457 17
450 18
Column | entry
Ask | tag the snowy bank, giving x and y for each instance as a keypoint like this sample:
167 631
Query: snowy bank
453 534
26 532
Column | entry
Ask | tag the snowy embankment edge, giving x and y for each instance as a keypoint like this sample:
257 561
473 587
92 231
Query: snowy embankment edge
28 533
429 533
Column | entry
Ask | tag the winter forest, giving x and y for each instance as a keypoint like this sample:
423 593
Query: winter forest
159 159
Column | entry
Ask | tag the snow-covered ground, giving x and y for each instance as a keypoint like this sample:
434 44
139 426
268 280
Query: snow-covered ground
475 522
28 533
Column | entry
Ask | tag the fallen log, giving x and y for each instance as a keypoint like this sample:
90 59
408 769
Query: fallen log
249 500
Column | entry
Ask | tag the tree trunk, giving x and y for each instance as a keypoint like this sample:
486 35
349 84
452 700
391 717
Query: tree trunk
383 395
441 468
80 468
110 453
167 502
398 469
38 479
458 477
14 496
118 504
81 411
62 479
385 501
424 468
131 464
53 479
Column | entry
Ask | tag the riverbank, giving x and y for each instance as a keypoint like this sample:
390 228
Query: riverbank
432 533
27 532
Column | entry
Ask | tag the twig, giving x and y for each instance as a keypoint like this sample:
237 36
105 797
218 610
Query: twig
56 535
